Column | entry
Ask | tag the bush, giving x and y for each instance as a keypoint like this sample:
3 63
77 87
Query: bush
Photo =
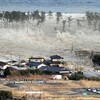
34 71
47 72
7 72
39 72
24 72
4 95
76 76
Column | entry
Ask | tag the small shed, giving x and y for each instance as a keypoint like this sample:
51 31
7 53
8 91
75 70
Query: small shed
56 77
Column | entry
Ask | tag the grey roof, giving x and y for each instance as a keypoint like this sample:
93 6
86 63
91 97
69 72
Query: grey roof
56 57
33 64
52 69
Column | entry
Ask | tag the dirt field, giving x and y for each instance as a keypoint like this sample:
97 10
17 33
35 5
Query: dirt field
53 89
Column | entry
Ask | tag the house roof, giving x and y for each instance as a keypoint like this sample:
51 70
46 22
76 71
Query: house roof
14 67
36 58
41 65
2 63
7 66
43 68
12 61
56 57
56 69
52 69
35 64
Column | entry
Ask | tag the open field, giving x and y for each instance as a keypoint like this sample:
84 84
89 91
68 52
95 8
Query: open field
54 89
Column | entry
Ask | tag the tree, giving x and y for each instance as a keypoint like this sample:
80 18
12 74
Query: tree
58 14
7 15
7 72
50 14
76 76
89 16
78 23
36 15
99 26
42 17
1 15
15 15
64 25
23 16
69 21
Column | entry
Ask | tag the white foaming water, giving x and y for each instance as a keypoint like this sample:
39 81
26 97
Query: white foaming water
27 39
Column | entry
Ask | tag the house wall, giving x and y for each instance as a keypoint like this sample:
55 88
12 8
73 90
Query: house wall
1 73
60 65
57 77
56 60
36 60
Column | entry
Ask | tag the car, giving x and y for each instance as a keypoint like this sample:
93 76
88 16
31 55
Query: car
98 89
98 92
94 90
89 89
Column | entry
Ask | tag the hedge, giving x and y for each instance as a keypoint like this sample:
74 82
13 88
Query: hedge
6 95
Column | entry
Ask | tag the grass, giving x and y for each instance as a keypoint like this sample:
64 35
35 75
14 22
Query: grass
51 91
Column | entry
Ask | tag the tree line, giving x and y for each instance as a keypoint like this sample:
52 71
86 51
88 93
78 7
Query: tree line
21 16
93 19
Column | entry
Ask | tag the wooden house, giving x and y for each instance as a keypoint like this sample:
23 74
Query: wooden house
56 61
34 62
